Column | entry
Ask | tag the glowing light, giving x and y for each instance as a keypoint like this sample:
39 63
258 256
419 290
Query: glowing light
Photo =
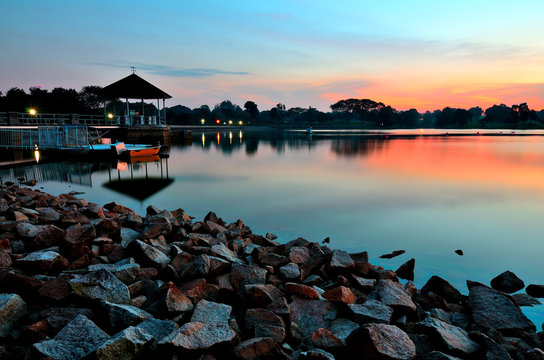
203 140
202 121
240 122
32 112
218 121
110 116
218 138
36 153
230 122
230 137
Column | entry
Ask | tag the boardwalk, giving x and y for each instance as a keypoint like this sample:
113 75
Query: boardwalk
67 137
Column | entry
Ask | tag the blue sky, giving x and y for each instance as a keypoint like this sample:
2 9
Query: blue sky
422 54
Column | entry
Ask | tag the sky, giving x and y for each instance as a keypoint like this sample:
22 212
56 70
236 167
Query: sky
408 54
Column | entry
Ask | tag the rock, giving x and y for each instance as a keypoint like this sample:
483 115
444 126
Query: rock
176 301
159 329
257 348
299 254
261 295
271 259
47 215
443 289
301 290
372 311
128 235
212 313
316 354
148 255
535 290
125 345
365 285
493 310
199 336
223 252
28 230
13 281
76 340
77 241
262 321
492 350
12 307
406 270
199 289
102 285
341 261
121 315
392 294
42 262
309 315
341 328
118 208
323 338
534 354
392 254
57 318
157 225
19 216
507 282
127 273
5 259
246 275
73 217
437 355
340 294
290 271
526 300
49 235
57 288
199 267
381 341
454 339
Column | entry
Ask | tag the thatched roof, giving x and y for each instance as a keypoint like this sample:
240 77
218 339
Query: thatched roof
133 87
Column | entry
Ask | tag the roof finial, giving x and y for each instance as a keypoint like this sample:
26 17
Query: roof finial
133 69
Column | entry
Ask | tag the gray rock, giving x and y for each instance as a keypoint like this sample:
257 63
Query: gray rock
47 215
365 285
341 260
534 354
443 289
28 230
125 345
299 254
148 255
523 299
199 267
382 341
199 336
493 351
437 355
157 225
76 340
316 354
257 348
309 315
246 275
372 311
122 316
261 321
128 235
290 271
212 313
406 270
223 252
393 294
43 261
261 295
12 307
127 273
102 285
272 259
507 282
493 310
454 339
342 328
159 329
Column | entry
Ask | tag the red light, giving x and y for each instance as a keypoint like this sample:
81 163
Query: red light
218 121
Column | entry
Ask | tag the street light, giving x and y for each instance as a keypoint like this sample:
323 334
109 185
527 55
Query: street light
110 116
202 121
32 112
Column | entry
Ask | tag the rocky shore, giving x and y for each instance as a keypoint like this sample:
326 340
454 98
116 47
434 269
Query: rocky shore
78 280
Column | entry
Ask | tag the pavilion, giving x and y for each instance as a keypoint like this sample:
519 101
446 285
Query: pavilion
134 87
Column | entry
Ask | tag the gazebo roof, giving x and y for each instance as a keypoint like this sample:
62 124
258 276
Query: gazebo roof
133 87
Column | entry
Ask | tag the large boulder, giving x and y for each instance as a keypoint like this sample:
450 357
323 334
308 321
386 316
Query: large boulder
454 339
507 282
12 307
102 285
392 294
309 315
76 340
382 341
493 310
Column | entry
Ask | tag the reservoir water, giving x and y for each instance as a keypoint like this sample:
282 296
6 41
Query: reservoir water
421 191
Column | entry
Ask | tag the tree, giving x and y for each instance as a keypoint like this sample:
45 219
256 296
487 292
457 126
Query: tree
500 115
356 105
91 97
252 109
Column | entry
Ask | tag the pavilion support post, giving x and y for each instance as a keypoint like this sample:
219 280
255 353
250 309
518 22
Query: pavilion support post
127 117
158 112
164 110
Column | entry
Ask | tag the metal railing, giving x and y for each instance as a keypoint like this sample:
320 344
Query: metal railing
23 119
46 138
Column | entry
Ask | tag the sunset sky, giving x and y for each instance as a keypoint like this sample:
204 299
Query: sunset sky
420 54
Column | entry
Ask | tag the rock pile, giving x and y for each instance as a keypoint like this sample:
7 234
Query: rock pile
78 280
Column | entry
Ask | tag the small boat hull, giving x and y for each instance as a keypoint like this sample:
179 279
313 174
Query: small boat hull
144 151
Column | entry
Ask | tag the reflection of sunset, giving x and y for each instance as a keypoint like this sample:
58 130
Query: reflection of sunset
502 161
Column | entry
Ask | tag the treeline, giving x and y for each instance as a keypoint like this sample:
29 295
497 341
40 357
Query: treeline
348 113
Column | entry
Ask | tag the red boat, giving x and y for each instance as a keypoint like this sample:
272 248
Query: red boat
141 150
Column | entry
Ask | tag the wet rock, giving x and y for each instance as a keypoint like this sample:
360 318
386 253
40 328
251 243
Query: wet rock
290 271
493 310
299 254
340 294
257 348
148 255
125 345
392 294
77 241
442 288
121 316
301 290
454 339
12 307
392 254
199 336
309 315
325 339
372 311
76 340
459 252
526 300
242 275
42 262
406 270
381 341
127 273
102 285
507 282
535 290
341 261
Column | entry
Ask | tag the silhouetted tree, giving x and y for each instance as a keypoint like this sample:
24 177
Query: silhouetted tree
252 109
356 105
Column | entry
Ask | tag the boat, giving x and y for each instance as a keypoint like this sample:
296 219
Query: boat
133 150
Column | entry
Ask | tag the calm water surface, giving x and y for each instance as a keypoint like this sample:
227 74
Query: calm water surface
428 195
